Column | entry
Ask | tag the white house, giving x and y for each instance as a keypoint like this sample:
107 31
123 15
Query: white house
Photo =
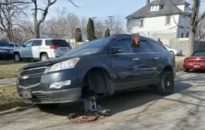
165 19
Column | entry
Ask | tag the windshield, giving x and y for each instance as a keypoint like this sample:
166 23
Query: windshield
199 54
89 47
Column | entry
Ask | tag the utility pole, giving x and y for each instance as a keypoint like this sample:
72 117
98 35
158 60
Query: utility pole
110 21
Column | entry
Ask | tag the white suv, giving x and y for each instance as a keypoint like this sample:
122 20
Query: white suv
42 49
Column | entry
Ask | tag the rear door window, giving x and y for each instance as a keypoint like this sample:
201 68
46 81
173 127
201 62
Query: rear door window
59 43
36 42
156 47
143 47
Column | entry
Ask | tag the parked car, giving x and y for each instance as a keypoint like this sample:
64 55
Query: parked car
99 67
6 50
42 49
176 52
195 62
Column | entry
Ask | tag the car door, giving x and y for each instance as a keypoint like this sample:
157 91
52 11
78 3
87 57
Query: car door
159 56
25 50
146 68
124 63
36 44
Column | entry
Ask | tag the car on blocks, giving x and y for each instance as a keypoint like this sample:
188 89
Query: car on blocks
99 68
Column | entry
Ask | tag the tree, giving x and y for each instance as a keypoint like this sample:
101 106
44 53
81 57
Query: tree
201 30
78 35
107 32
38 21
10 12
90 30
195 20
115 25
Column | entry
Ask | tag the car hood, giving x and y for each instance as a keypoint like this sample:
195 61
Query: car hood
52 61
6 48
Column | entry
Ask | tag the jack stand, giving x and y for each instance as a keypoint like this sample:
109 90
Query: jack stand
90 106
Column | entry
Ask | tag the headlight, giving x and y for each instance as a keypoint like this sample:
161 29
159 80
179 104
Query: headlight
68 64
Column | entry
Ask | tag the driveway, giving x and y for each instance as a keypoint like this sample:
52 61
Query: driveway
140 110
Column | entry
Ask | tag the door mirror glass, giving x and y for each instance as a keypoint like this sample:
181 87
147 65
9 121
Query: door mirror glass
115 50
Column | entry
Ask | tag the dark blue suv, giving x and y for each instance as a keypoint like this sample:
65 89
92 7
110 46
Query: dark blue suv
100 67
6 50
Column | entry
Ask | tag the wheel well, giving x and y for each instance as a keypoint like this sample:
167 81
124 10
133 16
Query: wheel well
168 68
102 89
43 53
16 53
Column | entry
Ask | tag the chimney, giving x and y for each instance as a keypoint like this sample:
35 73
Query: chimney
148 2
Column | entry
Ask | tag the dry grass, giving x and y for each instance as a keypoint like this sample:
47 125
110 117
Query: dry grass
179 63
9 98
9 69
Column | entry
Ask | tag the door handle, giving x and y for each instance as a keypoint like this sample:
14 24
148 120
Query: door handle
156 58
136 59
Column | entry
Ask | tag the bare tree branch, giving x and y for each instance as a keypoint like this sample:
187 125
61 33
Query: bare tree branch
73 3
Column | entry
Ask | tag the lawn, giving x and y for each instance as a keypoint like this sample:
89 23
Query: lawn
9 98
9 69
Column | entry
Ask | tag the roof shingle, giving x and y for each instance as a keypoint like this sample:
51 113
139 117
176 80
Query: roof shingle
168 8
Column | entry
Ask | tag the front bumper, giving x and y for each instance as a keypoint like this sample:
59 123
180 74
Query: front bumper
43 93
6 55
52 97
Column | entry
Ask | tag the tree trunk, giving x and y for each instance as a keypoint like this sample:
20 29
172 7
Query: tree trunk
37 31
191 43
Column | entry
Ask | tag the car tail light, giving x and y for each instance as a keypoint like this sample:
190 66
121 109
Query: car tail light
53 46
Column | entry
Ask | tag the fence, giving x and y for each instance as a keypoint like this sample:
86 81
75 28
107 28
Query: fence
181 43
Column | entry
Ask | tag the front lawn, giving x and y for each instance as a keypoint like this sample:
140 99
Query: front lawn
9 69
9 98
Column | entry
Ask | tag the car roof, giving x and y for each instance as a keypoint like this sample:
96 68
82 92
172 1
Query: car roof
47 39
127 35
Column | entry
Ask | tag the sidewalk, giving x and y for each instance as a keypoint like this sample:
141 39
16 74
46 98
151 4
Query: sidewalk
7 82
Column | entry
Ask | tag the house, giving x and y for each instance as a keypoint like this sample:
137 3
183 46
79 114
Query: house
164 19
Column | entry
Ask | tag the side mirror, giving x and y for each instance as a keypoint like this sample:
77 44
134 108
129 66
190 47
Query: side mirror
115 50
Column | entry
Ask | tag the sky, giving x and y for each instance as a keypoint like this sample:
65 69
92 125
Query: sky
101 8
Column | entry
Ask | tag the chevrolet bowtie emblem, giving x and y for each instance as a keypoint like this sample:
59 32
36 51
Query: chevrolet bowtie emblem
25 77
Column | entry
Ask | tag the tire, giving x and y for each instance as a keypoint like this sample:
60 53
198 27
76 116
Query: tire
17 57
44 57
166 83
186 70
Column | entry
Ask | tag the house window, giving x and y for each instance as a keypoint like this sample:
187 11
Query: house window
141 23
187 34
168 20
155 8
182 35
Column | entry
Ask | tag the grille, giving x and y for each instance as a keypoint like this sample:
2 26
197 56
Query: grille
31 77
